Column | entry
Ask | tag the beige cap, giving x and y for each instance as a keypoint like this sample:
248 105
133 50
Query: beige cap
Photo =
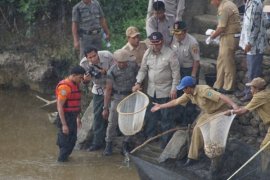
257 82
121 55
266 8
132 31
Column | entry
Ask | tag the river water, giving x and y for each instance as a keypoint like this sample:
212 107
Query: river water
28 150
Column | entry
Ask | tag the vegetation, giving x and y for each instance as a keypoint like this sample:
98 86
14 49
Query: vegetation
28 18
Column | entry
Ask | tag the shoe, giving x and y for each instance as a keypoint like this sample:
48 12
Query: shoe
108 149
239 94
246 98
125 148
62 160
190 162
94 148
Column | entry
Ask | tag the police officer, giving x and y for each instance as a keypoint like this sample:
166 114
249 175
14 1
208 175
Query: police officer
209 101
188 53
160 22
260 104
96 64
174 7
87 21
162 67
227 28
68 98
121 78
134 46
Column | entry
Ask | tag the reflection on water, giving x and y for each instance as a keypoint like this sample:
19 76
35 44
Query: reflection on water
28 150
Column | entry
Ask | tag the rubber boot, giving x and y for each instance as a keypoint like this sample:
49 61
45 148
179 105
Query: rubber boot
108 149
125 148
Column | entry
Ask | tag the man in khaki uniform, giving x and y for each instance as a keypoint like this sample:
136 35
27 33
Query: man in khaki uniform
228 27
259 103
162 67
134 46
209 101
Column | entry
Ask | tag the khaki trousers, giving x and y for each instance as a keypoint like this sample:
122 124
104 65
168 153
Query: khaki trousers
226 68
197 143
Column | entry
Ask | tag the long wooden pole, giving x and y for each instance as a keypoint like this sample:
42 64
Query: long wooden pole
157 136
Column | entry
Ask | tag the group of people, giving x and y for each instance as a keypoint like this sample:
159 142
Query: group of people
155 67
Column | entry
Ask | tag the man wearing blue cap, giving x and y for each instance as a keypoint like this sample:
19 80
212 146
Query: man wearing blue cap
210 102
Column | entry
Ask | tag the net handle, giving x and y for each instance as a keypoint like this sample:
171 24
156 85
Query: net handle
121 102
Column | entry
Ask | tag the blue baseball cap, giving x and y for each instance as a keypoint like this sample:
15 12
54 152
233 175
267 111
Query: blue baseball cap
187 81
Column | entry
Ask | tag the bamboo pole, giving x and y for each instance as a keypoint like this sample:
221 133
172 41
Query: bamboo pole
157 136
250 159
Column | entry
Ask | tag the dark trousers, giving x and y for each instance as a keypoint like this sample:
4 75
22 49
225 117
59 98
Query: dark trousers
164 116
99 124
65 142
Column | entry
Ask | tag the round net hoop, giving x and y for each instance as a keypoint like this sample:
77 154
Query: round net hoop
131 111
215 132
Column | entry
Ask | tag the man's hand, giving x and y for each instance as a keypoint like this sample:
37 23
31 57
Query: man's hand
76 44
65 129
103 71
137 87
173 94
247 48
105 113
79 123
156 107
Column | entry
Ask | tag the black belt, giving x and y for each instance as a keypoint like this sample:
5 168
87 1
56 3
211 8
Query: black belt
90 32
122 92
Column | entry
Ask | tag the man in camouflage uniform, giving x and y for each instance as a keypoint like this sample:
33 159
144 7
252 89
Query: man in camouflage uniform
121 78
87 21
228 27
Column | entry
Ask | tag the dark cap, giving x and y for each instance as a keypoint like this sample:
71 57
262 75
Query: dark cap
179 27
77 70
155 38
159 6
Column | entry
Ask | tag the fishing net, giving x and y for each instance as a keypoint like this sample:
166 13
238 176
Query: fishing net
131 111
215 132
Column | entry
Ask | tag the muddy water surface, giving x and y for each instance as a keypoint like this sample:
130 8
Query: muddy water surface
28 150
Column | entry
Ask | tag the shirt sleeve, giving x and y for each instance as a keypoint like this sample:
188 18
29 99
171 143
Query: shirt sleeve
180 10
223 17
254 103
75 14
143 68
182 100
174 63
195 51
63 92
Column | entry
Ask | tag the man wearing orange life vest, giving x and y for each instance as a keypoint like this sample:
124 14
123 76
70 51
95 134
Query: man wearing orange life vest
68 106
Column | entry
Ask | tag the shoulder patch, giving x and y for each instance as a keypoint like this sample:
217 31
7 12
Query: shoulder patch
209 94
195 49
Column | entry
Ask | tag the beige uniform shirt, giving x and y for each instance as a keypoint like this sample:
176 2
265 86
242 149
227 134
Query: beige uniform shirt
205 97
261 104
136 52
162 70
174 7
165 27
187 51
228 17
106 61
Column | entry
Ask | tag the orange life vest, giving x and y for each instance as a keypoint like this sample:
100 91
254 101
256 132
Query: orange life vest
73 102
